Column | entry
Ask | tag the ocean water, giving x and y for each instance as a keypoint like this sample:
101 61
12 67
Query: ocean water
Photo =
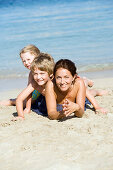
80 30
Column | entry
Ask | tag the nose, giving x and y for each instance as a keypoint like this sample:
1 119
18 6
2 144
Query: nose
26 62
62 81
37 77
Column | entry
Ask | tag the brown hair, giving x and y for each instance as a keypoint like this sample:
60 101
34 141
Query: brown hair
66 64
43 62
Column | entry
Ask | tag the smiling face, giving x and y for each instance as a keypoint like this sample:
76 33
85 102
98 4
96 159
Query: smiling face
63 79
41 77
27 59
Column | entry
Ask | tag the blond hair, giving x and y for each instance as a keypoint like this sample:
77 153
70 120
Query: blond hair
32 49
43 62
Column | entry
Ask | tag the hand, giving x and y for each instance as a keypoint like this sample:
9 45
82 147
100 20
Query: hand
26 111
17 118
101 110
69 107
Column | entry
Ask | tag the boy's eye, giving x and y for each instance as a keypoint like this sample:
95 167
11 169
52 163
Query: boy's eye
34 74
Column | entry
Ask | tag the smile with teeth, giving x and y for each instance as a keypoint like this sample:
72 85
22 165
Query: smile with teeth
63 85
39 81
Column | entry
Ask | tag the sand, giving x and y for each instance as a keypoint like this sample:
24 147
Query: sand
38 143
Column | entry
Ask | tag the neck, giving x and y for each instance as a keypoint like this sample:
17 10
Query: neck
43 86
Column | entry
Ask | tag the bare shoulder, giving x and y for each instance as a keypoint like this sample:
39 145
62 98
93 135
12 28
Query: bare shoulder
79 82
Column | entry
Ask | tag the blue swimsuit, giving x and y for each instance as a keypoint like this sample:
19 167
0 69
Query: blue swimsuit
35 95
40 106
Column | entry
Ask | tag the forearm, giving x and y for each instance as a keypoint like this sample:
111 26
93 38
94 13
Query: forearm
94 103
78 111
28 103
92 99
19 108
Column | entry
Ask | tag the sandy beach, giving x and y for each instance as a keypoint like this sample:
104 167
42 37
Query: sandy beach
74 144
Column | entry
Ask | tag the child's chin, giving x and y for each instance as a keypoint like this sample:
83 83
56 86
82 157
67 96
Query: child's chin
40 84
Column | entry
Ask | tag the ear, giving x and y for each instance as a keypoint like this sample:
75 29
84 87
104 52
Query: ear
75 76
51 76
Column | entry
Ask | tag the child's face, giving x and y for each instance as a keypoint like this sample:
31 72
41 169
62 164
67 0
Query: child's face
63 79
27 59
41 77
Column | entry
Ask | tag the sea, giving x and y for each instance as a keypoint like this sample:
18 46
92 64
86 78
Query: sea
80 30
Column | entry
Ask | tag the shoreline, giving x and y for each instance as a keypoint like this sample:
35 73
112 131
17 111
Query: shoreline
7 84
12 84
108 73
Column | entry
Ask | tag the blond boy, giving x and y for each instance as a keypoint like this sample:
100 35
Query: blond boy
42 71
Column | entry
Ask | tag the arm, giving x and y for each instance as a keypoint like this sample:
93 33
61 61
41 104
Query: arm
21 97
51 102
29 98
80 98
93 101
78 108
28 104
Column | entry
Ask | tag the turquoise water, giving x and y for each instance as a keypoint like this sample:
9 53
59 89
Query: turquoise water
80 30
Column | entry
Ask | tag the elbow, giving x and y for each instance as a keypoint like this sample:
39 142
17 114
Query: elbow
53 116
79 114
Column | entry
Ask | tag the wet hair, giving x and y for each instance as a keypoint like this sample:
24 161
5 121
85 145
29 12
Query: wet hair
43 62
32 49
66 64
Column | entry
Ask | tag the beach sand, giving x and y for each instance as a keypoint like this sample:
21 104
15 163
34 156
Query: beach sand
74 144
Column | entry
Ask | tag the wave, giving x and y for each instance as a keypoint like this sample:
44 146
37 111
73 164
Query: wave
80 69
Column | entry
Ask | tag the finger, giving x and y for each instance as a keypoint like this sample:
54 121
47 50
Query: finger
65 108
17 118
67 101
67 113
64 105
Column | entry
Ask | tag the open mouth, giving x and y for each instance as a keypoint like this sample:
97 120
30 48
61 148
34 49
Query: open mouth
28 67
